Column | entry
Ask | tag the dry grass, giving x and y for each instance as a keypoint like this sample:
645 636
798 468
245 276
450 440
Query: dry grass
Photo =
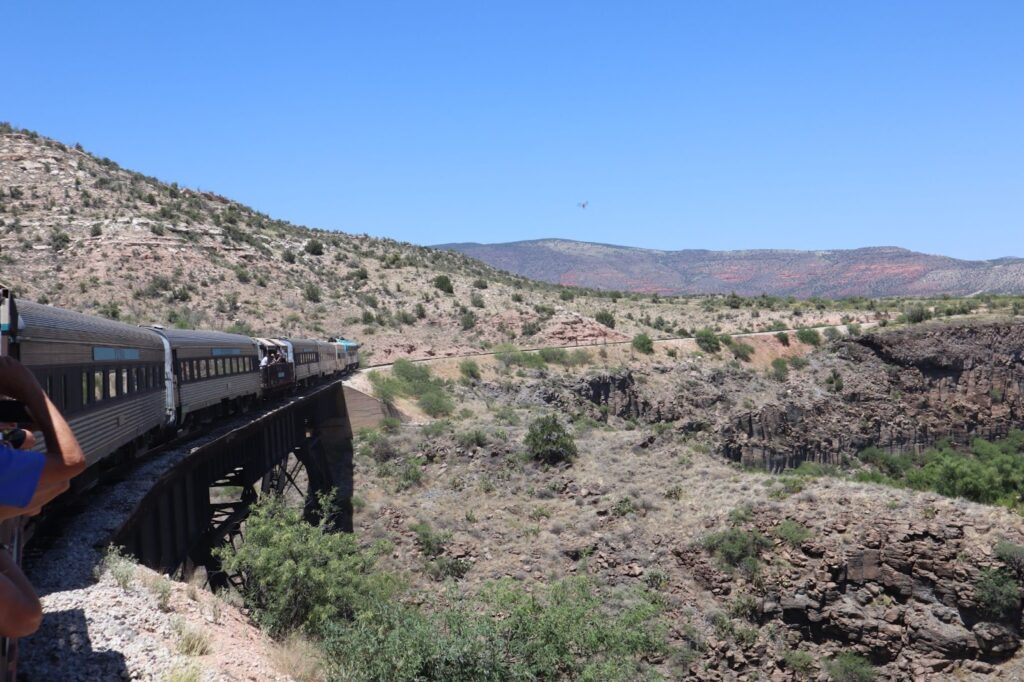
298 658
192 641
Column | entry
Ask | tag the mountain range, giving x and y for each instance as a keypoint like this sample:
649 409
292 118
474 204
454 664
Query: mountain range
874 271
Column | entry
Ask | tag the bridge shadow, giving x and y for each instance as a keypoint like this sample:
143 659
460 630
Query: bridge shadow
61 650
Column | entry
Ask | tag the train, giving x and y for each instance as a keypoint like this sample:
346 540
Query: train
124 388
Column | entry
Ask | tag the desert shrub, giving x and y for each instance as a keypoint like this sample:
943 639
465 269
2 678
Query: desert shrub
832 334
517 298
783 338
530 328
509 356
744 606
566 295
444 283
302 576
798 362
792 532
476 300
847 667
288 256
431 542
834 381
390 424
741 351
120 566
643 343
436 403
469 369
708 341
480 283
809 336
554 355
916 313
467 320
1012 555
314 247
566 631
780 369
800 662
548 441
854 329
311 292
998 593
606 318
444 567
735 546
476 438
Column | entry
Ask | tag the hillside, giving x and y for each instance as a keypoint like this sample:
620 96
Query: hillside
80 232
881 271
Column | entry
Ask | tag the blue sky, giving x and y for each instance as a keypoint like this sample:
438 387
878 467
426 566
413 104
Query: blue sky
720 125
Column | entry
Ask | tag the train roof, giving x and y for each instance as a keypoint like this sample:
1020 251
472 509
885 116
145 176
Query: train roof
43 322
205 338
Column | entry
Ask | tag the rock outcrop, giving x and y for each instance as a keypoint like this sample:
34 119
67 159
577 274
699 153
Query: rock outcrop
901 391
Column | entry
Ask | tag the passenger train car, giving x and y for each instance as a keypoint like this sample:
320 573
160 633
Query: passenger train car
123 387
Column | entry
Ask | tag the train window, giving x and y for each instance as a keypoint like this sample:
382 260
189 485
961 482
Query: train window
220 367
111 383
137 379
202 368
97 385
124 381
234 365
85 388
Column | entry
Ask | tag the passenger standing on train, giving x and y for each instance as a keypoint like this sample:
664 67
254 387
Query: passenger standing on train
28 480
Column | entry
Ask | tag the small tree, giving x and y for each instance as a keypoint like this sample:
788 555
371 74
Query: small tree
606 318
643 343
548 441
444 283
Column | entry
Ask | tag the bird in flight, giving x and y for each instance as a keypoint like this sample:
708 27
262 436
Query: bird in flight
583 204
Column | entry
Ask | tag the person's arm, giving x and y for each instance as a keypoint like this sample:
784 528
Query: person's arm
65 458
20 611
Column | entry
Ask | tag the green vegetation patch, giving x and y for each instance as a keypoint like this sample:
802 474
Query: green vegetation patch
989 472
413 380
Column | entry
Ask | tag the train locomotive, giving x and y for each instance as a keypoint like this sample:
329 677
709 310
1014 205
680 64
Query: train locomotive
123 388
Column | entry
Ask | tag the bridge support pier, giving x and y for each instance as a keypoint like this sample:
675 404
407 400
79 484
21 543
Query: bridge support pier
329 465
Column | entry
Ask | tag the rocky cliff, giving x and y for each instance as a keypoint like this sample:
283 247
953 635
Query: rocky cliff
902 391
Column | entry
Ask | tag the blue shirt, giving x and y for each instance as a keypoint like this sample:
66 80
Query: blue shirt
19 475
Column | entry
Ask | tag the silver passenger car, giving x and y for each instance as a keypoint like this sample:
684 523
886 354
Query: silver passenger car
107 378
210 370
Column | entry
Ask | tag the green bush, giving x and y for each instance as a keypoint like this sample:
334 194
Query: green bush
809 336
444 283
736 546
432 543
792 532
998 593
847 667
480 283
800 662
476 300
780 369
288 256
708 341
475 438
798 362
567 631
783 338
312 293
832 334
469 369
467 320
300 576
606 318
548 441
314 247
741 351
643 343
436 403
